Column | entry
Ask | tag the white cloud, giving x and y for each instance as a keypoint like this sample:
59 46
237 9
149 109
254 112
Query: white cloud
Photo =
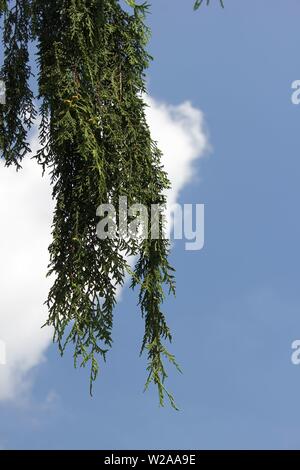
26 214
181 135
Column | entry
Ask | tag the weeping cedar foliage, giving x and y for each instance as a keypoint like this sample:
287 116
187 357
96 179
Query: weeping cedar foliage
95 141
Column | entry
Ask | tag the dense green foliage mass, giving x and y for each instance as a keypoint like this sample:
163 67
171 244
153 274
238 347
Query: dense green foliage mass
94 139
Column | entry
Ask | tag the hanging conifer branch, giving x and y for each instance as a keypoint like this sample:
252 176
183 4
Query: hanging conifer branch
18 115
94 139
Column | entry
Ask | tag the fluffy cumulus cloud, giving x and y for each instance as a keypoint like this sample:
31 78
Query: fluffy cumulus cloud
26 213
180 133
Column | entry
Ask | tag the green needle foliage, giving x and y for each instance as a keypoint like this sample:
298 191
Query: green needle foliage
94 138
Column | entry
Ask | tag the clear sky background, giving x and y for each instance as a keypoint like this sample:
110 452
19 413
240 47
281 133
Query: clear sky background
237 309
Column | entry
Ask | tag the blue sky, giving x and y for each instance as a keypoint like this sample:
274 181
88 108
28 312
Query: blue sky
237 309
